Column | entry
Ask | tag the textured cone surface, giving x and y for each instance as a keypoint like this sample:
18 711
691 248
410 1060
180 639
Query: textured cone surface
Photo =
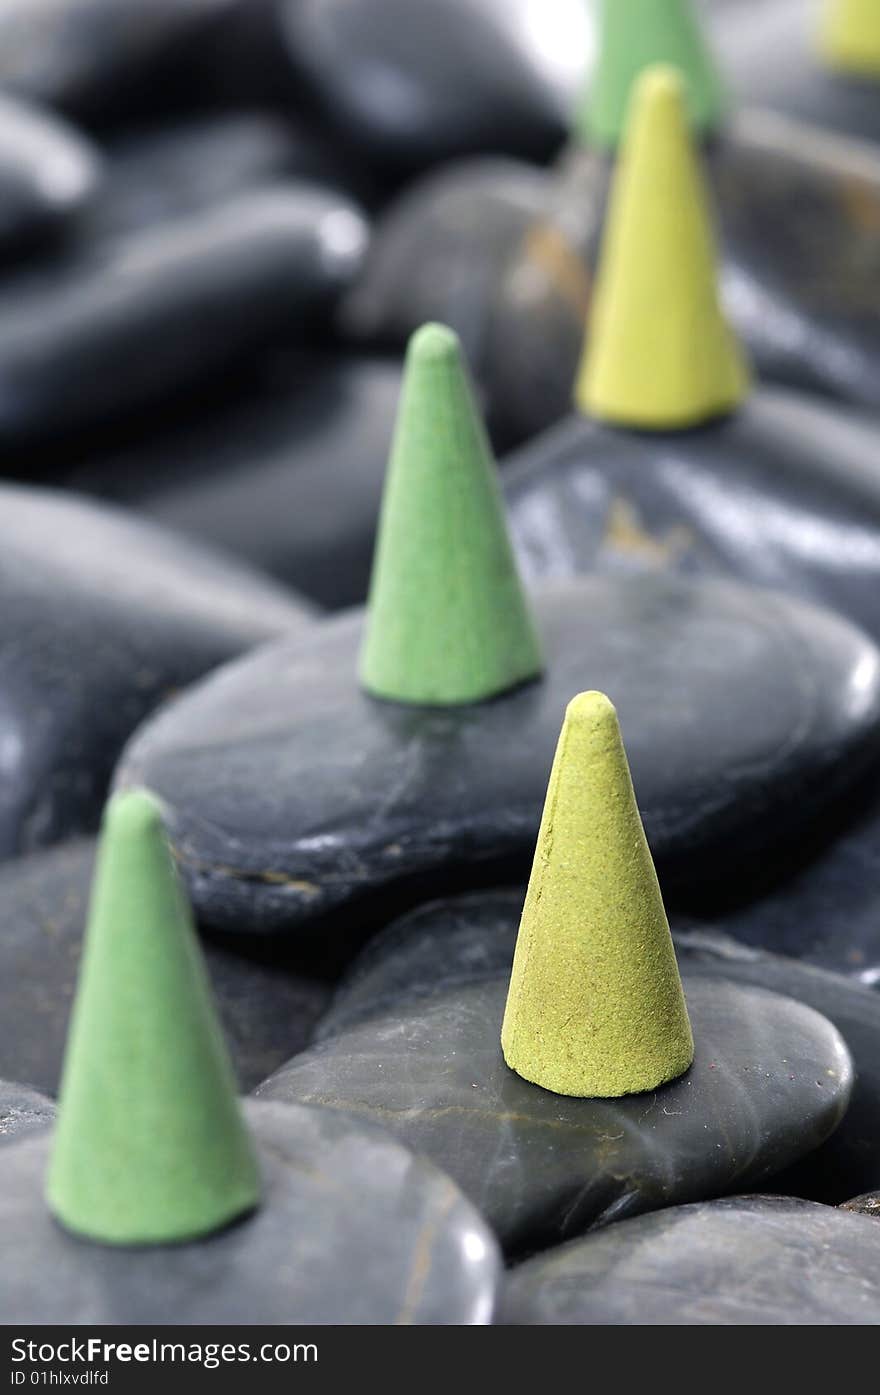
448 620
595 1005
660 354
638 34
850 36
150 1145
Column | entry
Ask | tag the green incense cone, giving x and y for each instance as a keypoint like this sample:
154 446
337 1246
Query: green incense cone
447 621
595 1005
150 1146
638 34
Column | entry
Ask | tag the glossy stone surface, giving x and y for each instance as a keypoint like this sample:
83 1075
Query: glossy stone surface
49 173
463 940
746 1260
88 54
439 251
289 793
433 950
821 903
286 472
159 172
103 616
847 1163
267 1005
470 76
353 1229
22 1110
867 1205
770 1080
771 60
96 336
785 493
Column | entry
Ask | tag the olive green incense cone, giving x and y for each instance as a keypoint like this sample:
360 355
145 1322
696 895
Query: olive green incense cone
595 1005
150 1146
447 620
635 35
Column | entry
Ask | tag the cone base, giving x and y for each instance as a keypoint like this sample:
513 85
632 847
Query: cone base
578 1085
209 1225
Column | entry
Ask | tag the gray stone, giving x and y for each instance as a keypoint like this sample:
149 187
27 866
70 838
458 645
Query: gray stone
290 794
744 1261
783 493
268 1005
867 1205
466 76
103 616
49 175
353 1229
287 472
117 326
443 947
770 1081
22 1110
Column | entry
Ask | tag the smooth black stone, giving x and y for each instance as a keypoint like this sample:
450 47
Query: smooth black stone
770 1081
468 940
867 1205
103 616
49 174
88 55
96 336
432 951
784 493
22 1110
181 168
746 1260
289 793
353 1229
268 1007
458 77
848 1162
286 474
771 60
439 251
821 904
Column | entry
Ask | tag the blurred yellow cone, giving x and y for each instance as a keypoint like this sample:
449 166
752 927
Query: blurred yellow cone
660 353
849 37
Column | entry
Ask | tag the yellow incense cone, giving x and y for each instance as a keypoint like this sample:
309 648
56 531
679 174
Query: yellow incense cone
849 37
660 353
595 1005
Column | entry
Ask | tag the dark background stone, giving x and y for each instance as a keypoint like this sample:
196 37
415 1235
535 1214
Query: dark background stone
745 1261
268 1004
353 1229
286 472
438 253
770 59
455 77
103 616
771 1080
784 493
95 336
49 174
289 794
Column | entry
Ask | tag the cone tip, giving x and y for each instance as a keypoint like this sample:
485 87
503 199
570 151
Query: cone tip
591 709
133 812
434 343
660 85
